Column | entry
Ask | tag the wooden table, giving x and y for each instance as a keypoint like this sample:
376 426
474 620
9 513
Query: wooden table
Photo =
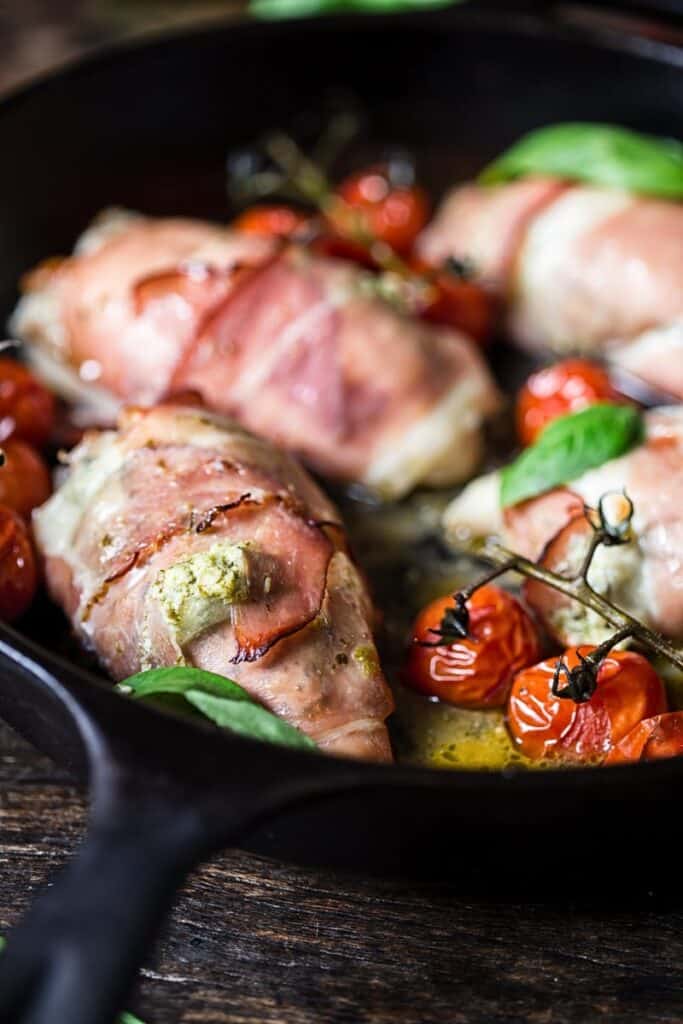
253 941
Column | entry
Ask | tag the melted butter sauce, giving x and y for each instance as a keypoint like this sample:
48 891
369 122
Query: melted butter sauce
442 736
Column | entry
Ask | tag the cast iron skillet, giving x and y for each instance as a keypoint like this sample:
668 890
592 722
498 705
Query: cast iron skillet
148 127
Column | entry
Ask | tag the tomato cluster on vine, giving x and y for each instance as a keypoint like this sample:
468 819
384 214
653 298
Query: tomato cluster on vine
381 208
497 664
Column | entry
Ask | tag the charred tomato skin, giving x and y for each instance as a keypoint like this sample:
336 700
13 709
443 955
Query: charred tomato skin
18 572
559 389
27 409
475 672
650 740
24 478
545 726
393 213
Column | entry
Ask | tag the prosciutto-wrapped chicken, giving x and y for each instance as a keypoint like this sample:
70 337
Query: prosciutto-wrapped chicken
645 577
182 539
581 268
296 347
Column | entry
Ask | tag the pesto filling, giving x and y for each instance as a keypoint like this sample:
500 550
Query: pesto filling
197 593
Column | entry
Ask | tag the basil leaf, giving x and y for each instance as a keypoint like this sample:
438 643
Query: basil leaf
179 679
568 447
304 8
601 153
248 719
216 698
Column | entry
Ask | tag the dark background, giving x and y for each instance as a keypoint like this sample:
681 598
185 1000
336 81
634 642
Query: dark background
255 941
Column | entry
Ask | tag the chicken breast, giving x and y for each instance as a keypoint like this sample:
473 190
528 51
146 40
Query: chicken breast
655 357
296 347
182 539
645 577
582 268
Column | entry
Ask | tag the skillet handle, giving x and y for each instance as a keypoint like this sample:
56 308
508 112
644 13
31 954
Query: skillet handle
74 957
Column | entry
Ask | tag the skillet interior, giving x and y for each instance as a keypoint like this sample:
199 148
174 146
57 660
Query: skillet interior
149 128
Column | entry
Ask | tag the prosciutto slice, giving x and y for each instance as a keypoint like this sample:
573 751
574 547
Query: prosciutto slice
182 539
645 576
582 268
296 347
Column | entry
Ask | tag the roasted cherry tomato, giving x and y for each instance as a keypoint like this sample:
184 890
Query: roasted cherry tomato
24 478
651 739
271 221
18 575
27 409
559 389
457 302
543 725
475 672
393 212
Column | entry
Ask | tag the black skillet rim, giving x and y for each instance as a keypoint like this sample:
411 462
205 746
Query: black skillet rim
554 21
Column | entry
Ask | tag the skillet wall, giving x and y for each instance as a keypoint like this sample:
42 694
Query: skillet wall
149 128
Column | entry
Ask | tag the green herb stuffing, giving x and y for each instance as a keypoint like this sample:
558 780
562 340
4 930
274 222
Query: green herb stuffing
568 447
196 592
217 698
600 153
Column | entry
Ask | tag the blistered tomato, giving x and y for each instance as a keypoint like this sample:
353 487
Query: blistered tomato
24 478
651 739
457 302
270 221
27 409
559 389
475 672
543 725
392 212
18 575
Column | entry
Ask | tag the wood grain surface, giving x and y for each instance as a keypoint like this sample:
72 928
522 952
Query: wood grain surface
252 941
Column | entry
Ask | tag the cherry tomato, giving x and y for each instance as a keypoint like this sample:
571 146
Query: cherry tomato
27 409
270 221
651 739
24 478
543 725
18 574
476 672
457 302
392 212
556 390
